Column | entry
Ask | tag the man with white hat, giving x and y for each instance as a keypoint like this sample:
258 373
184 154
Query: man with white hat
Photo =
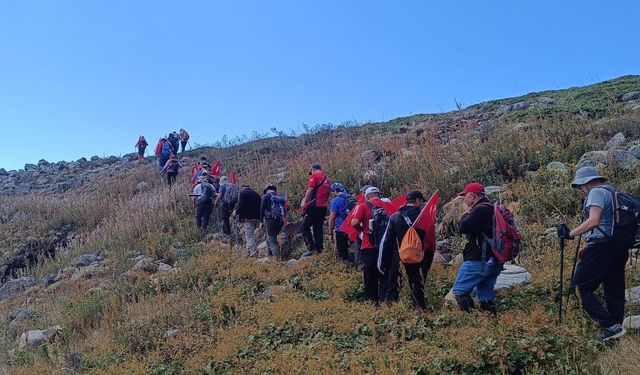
602 261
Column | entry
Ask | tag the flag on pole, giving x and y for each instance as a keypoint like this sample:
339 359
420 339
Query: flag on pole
233 178
216 168
426 221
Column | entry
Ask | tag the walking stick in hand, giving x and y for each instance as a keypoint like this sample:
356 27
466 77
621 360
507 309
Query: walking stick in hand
561 279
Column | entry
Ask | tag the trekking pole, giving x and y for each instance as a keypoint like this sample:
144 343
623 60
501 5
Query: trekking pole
561 279
573 270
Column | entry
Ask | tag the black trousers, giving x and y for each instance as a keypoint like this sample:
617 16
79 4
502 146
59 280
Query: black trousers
602 263
183 145
370 274
314 220
171 177
416 274
203 214
342 245
225 214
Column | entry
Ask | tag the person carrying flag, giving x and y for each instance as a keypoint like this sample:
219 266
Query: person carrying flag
389 259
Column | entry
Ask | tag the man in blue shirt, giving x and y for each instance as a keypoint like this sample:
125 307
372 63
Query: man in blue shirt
602 261
337 215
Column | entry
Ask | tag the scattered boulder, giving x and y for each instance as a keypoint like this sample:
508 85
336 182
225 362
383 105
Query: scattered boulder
21 315
171 333
263 248
34 338
15 286
146 264
292 262
164 268
511 276
85 272
615 142
632 95
519 106
370 156
547 101
181 252
634 150
491 190
271 290
632 295
263 260
453 212
631 322
619 158
85 260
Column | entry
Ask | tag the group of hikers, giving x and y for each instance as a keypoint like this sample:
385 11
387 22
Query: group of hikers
387 235
166 150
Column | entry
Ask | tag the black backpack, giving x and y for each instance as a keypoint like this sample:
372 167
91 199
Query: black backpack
207 193
377 224
626 210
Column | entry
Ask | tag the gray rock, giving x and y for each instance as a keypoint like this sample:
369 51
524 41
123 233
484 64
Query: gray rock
43 163
457 260
632 95
164 268
142 186
85 272
29 167
15 286
511 276
370 156
3 172
146 264
21 315
632 295
292 262
631 322
615 142
31 339
558 167
547 101
634 151
270 291
61 187
171 333
519 106
95 157
625 160
85 260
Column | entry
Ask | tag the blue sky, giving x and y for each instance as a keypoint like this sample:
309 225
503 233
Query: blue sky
82 78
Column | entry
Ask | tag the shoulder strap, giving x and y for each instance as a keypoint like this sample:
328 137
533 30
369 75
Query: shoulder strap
321 182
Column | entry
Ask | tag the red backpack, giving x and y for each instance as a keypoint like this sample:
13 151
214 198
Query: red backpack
507 239
158 150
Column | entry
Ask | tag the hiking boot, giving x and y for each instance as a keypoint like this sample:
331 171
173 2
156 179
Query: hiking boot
613 332
309 253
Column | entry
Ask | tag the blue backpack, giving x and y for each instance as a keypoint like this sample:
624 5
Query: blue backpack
278 207
166 149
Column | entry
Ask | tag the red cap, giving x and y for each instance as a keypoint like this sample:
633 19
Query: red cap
474 187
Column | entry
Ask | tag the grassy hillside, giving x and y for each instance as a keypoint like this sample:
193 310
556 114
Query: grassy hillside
234 315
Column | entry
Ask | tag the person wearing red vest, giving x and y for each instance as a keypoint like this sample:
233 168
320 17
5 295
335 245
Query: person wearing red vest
314 204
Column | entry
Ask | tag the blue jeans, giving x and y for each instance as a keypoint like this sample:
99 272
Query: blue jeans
471 275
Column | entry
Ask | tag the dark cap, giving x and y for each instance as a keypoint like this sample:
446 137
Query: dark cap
415 194
315 166
269 187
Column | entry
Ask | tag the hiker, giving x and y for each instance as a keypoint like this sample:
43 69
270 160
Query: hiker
341 204
363 221
229 198
203 194
314 205
248 212
171 169
174 141
273 213
184 139
163 152
389 258
479 269
603 260
142 146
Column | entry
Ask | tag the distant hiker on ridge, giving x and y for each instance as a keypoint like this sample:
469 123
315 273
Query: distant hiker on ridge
174 140
142 146
184 139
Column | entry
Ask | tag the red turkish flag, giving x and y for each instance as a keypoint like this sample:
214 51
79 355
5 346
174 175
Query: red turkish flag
426 221
234 178
216 169
389 207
